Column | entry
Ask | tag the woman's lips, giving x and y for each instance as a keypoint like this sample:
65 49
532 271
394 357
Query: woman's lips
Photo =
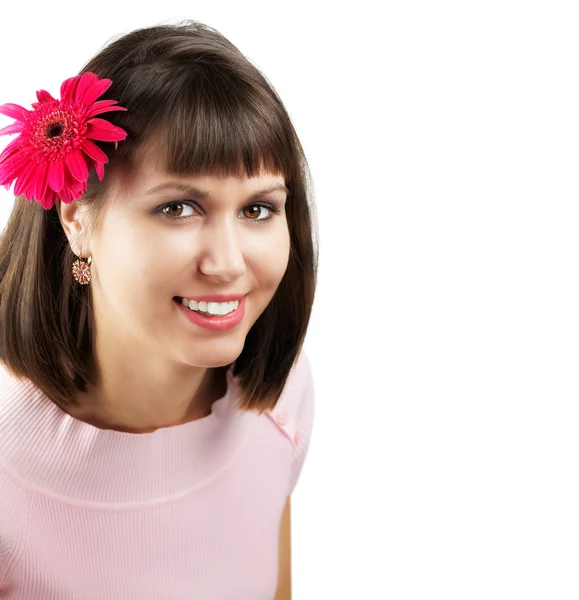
214 322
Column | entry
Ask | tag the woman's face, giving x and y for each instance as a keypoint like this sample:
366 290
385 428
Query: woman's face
163 241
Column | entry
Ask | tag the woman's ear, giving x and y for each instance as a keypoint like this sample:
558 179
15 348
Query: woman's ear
74 220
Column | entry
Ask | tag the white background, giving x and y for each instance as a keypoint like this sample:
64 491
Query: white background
443 139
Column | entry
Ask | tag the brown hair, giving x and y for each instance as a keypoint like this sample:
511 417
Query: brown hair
213 112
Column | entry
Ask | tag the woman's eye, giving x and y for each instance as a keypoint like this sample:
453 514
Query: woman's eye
178 209
256 212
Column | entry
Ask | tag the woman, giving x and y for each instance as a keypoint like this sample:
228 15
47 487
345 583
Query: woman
155 408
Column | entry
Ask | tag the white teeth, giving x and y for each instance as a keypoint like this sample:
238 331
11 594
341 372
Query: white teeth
212 308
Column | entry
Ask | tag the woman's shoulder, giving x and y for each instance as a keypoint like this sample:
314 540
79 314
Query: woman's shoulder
298 392
17 410
294 412
12 388
12 495
10 384
5 375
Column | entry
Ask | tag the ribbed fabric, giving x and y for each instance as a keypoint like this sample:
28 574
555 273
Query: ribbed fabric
185 512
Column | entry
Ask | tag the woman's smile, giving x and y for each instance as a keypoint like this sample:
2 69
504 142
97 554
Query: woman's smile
215 316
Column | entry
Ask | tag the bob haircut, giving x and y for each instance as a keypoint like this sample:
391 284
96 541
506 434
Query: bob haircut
193 94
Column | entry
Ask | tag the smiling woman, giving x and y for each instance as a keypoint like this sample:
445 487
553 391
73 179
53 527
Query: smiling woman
151 328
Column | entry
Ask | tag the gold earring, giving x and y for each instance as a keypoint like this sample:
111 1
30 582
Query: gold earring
81 270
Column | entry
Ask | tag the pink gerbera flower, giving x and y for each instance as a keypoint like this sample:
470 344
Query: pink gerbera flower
51 157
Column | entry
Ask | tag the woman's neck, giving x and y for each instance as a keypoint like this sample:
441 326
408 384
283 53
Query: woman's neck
142 402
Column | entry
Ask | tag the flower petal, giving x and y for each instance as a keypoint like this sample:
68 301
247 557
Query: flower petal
72 189
99 104
24 181
12 168
102 130
56 175
93 111
76 188
97 89
44 97
15 159
76 164
49 199
12 147
65 195
40 182
86 81
14 111
12 129
68 87
100 170
94 151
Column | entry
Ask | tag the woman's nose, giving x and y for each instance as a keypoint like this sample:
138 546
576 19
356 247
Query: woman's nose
222 256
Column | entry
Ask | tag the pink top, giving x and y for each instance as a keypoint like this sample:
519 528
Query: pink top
191 511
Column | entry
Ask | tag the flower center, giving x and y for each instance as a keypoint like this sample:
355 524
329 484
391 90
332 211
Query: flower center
54 130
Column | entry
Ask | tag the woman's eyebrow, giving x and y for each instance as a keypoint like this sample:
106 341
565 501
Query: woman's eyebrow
200 194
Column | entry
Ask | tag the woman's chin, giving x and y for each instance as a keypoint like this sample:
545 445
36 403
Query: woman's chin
212 357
